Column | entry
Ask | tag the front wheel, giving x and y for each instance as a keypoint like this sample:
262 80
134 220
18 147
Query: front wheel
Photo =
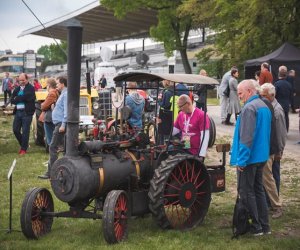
34 223
115 216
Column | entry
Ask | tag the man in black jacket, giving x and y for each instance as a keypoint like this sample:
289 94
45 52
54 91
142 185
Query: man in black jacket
284 94
24 99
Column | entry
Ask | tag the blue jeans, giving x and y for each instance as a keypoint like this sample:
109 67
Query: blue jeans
253 195
49 128
276 174
22 122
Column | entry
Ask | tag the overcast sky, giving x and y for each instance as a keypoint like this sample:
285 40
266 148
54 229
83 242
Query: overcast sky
15 18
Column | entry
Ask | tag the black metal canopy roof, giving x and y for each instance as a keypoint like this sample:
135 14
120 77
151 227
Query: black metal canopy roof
285 53
99 24
183 78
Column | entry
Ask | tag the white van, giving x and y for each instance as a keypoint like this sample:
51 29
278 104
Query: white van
109 71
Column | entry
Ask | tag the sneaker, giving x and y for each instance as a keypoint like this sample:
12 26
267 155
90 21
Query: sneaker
267 232
277 213
258 233
45 176
22 152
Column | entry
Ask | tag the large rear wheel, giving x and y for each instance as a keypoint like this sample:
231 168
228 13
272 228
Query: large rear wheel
180 192
33 223
115 216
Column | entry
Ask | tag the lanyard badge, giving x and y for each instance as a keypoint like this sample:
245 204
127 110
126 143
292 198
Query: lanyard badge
186 136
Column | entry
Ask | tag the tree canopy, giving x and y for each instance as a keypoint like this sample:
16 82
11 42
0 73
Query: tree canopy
246 29
243 29
54 54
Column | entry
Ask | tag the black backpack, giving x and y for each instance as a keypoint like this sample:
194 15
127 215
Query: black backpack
241 217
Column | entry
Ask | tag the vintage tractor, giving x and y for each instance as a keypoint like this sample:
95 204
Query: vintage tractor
122 177
115 179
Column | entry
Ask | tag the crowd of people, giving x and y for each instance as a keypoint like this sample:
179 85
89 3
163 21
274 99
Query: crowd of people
23 97
284 85
9 84
259 138
261 126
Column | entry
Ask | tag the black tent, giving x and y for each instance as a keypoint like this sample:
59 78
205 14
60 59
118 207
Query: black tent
287 55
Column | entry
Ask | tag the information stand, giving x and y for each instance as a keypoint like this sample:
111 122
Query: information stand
9 177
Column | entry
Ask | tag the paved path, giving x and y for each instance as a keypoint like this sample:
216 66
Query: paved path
293 135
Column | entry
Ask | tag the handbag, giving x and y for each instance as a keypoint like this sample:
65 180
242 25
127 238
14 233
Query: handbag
48 115
227 91
241 217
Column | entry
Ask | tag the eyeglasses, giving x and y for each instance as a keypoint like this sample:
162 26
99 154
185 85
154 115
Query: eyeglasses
180 106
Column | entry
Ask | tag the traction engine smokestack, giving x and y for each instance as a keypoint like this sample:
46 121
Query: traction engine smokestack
74 69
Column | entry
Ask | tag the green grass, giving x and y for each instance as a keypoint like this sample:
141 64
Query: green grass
214 233
213 101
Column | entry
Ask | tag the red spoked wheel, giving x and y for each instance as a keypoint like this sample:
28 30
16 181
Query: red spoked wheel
34 223
115 216
180 192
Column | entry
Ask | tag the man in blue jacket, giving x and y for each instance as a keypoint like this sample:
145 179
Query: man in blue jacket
250 151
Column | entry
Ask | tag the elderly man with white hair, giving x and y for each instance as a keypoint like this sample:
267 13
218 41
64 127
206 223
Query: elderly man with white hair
250 152
268 91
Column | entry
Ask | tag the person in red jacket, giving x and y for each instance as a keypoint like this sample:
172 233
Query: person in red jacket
265 75
36 85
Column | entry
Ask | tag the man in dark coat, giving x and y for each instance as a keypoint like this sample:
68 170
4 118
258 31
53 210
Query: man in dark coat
284 94
24 99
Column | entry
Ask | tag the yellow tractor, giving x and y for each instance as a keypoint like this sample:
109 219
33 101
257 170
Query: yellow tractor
88 105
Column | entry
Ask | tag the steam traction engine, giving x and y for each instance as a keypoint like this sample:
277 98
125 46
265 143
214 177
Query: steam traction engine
122 179
114 180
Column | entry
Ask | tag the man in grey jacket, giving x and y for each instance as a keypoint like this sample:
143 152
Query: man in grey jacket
268 91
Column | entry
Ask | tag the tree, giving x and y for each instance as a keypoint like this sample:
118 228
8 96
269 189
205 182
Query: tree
248 29
244 29
172 29
53 54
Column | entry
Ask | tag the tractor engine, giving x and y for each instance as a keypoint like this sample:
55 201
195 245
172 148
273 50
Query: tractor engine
99 168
